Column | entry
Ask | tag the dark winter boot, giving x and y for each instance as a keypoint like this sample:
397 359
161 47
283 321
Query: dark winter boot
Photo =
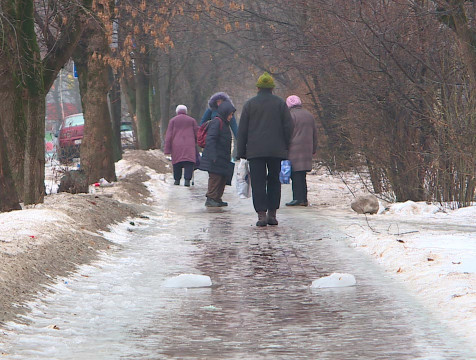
177 182
272 217
223 203
261 219
212 203
187 183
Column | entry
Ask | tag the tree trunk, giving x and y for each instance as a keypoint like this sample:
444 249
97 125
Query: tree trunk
115 110
14 126
338 139
8 196
128 89
155 104
144 123
166 93
33 106
34 180
375 177
97 157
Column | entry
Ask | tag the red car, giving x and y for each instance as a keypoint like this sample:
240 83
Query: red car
70 136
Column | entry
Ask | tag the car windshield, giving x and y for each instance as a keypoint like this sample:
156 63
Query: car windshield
74 120
126 127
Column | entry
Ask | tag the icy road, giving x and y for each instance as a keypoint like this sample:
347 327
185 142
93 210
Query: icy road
260 305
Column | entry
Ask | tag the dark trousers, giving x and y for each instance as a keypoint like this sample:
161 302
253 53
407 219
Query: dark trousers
265 184
188 166
299 185
216 186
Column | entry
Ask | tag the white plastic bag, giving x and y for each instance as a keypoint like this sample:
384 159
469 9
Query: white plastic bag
243 186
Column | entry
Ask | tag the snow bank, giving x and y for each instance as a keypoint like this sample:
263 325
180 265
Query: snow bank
466 211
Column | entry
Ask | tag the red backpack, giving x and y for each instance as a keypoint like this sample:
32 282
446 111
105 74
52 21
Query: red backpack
202 132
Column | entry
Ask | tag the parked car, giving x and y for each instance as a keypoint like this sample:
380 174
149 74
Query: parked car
127 135
70 135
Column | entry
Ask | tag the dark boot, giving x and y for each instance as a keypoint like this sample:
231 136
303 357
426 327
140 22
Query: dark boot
272 217
261 219
297 203
212 203
222 203
187 183
177 182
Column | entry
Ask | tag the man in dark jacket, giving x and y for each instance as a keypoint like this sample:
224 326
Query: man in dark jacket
217 155
264 135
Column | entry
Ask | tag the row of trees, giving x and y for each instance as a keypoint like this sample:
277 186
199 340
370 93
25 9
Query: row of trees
391 82
28 68
156 52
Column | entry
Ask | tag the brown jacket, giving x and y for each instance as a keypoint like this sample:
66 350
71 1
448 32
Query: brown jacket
303 140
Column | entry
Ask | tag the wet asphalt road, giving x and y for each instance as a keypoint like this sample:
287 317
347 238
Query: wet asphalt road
259 307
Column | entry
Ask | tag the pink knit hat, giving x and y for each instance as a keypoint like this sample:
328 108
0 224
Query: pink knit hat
292 101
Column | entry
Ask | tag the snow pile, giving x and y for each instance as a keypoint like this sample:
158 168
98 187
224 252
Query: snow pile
124 168
413 208
334 280
188 281
28 223
466 211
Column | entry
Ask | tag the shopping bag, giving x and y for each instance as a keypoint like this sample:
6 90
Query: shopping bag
285 173
229 173
243 186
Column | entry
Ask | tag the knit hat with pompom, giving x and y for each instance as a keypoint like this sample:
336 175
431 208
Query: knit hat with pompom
265 81
293 101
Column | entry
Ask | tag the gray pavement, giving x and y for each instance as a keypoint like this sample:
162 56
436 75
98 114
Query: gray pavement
259 307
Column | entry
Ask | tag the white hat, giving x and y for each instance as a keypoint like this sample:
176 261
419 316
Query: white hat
181 109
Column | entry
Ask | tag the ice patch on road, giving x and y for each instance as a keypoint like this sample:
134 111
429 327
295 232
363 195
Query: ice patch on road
188 281
334 280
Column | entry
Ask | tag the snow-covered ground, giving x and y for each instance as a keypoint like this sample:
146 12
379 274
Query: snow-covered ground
433 253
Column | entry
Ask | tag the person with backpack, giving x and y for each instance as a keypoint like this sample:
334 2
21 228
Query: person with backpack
211 112
303 147
181 144
216 158
263 138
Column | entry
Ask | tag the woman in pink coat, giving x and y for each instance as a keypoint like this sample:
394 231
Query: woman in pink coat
181 143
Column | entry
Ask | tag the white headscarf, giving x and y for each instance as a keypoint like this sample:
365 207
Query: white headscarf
181 109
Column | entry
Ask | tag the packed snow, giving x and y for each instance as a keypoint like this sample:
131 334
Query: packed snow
334 280
188 281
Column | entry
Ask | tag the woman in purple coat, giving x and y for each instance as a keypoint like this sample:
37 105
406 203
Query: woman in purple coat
181 143
303 146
